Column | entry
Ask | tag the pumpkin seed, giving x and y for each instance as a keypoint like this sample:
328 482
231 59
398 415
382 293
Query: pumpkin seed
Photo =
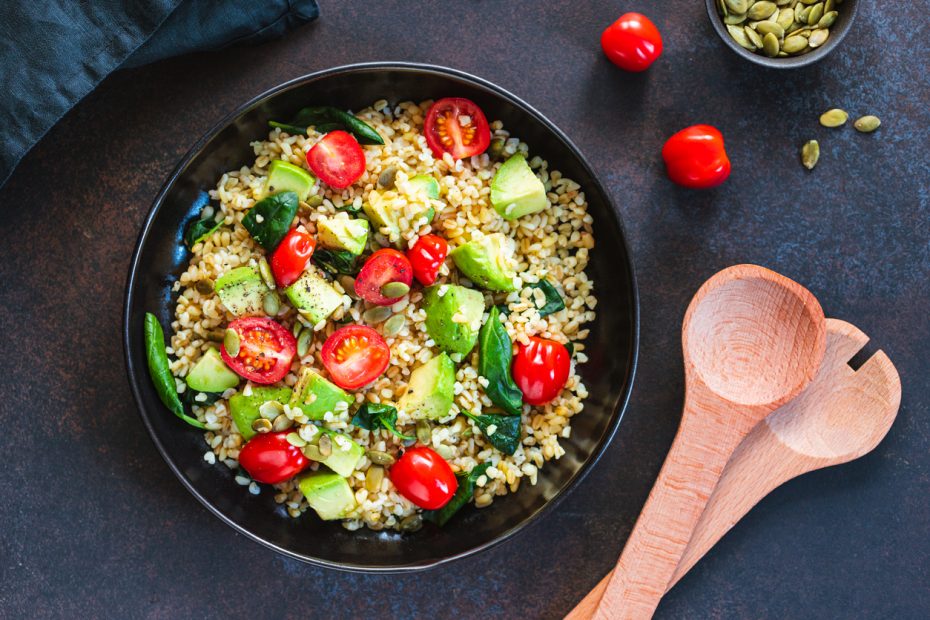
376 314
761 10
765 28
205 286
348 285
770 45
828 6
271 304
393 325
867 124
785 18
395 289
754 37
281 423
800 13
734 19
373 478
411 523
265 270
270 409
834 118
386 178
312 452
261 425
380 458
424 433
325 445
739 35
827 20
298 327
216 335
794 44
737 6
782 2
315 201
231 342
722 7
295 440
815 14
782 55
818 37
810 154
303 343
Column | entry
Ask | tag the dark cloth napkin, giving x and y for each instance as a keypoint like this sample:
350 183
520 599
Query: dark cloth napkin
54 52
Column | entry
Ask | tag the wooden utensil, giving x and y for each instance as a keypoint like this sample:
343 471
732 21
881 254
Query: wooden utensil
752 340
842 415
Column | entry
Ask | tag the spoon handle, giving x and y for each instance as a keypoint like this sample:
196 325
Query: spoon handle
698 455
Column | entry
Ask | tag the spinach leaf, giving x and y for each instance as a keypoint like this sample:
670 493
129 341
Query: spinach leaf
160 372
506 435
201 229
189 398
466 490
571 349
270 219
495 355
327 118
503 309
372 416
554 301
335 262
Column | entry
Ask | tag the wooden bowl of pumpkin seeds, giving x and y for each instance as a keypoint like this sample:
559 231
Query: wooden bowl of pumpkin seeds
782 33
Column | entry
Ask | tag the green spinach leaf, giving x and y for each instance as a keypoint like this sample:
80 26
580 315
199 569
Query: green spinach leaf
495 355
467 484
571 349
160 371
507 430
189 398
200 229
327 118
335 262
554 301
372 416
270 219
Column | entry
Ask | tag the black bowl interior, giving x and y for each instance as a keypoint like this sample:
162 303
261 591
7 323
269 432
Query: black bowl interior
160 256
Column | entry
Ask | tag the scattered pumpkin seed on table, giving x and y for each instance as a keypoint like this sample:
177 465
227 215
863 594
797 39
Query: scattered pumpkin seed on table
867 124
834 118
797 26
810 154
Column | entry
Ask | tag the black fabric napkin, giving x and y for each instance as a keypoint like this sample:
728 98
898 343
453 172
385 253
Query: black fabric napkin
54 52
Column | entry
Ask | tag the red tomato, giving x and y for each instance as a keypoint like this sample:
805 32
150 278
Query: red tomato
540 370
426 257
423 477
457 126
383 266
337 159
632 42
291 256
355 355
265 350
695 157
271 459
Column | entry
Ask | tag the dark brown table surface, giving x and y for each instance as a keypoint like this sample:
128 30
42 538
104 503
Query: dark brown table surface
93 524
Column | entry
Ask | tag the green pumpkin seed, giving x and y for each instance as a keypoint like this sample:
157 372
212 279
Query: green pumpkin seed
295 440
261 425
380 458
393 325
373 478
411 523
271 304
386 178
815 14
265 270
782 55
765 28
818 37
770 45
834 118
827 20
298 327
794 44
810 154
348 285
424 433
376 314
312 452
281 423
315 201
270 409
800 13
303 343
733 19
395 289
737 6
325 445
782 2
722 8
867 124
785 19
739 35
231 342
754 37
828 6
205 286
761 10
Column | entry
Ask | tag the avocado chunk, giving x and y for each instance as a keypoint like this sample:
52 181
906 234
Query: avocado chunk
313 296
345 455
426 184
486 262
286 177
516 191
342 234
453 316
242 291
383 213
328 494
211 374
244 409
316 396
429 391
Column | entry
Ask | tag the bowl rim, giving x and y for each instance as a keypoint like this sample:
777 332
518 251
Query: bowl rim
136 374
851 8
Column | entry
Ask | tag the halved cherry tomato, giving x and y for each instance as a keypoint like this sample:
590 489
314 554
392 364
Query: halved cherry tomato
457 126
540 370
426 257
385 265
291 256
424 477
632 42
270 458
337 159
265 350
355 355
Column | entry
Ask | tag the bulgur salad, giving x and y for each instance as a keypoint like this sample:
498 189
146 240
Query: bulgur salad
382 316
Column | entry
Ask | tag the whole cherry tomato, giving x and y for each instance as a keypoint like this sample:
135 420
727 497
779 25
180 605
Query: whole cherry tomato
632 42
426 256
383 267
290 257
271 459
695 157
423 477
337 159
540 370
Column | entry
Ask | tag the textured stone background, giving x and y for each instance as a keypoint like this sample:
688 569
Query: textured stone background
95 525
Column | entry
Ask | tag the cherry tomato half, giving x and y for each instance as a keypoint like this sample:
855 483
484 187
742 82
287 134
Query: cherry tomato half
290 257
355 355
540 370
426 257
457 126
265 350
337 159
271 459
423 477
632 42
384 266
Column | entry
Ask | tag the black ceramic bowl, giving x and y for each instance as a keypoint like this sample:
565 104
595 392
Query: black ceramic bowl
838 31
160 256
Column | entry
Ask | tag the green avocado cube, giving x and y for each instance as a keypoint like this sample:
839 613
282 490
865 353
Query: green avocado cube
315 396
516 191
328 494
430 389
313 296
345 453
242 291
286 177
211 374
487 262
244 409
453 316
343 234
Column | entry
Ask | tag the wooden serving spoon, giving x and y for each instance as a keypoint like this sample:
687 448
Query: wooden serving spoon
842 415
752 340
